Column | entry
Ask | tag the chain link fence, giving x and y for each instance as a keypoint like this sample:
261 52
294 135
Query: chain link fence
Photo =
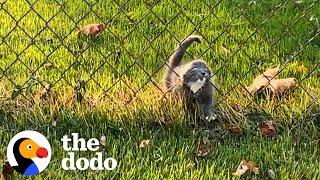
42 55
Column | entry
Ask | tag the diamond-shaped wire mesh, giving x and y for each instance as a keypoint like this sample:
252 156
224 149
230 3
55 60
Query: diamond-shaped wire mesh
42 51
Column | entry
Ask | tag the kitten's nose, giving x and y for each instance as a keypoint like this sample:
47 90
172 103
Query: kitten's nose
203 73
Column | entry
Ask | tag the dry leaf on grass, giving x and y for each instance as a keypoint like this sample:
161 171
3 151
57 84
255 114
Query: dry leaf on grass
48 65
54 124
103 143
235 130
166 121
281 85
92 30
268 128
271 174
244 166
297 2
262 80
144 143
7 171
203 148
46 92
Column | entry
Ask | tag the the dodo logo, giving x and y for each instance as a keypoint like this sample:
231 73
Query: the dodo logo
29 152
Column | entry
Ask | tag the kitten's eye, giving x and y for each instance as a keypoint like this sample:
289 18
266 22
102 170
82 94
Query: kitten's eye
29 147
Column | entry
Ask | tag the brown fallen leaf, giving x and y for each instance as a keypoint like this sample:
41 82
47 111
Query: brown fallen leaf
144 143
166 121
48 65
54 124
281 85
271 174
235 130
268 129
103 143
92 30
46 92
262 80
244 166
253 167
203 148
7 171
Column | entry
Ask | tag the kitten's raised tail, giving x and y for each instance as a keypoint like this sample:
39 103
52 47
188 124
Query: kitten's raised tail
176 57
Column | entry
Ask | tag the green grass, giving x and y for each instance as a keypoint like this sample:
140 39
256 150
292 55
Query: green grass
135 46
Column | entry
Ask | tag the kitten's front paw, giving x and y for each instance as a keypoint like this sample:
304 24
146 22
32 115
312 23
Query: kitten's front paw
211 117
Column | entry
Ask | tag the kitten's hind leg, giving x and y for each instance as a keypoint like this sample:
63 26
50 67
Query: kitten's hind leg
208 111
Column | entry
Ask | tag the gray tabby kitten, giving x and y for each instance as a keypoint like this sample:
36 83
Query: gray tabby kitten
190 81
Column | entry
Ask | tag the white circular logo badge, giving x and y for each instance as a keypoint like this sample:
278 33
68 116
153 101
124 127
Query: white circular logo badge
29 153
